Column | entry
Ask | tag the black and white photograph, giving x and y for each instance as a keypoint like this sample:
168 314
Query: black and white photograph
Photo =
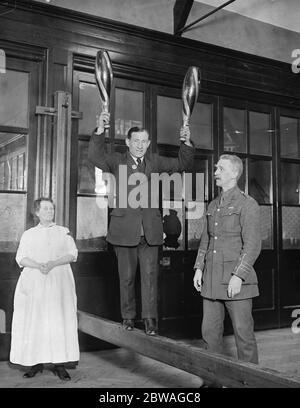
149 199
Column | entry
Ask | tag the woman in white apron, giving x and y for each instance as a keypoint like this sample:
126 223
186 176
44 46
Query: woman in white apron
44 325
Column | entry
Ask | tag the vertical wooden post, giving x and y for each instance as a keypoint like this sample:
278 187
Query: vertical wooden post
62 157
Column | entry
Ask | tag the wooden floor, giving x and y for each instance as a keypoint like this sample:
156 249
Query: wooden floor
119 368
278 350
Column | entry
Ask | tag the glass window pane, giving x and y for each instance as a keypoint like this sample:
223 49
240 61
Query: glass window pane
195 228
90 180
291 227
12 220
91 223
13 152
90 106
201 125
169 121
173 225
235 130
200 180
242 179
260 181
290 183
86 170
14 91
129 111
260 133
289 137
266 226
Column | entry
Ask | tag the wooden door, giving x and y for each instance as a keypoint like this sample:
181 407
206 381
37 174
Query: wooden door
19 93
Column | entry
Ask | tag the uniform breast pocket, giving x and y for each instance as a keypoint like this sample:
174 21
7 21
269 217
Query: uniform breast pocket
210 220
231 220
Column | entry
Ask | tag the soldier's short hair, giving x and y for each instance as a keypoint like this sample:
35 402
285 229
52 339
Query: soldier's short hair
235 161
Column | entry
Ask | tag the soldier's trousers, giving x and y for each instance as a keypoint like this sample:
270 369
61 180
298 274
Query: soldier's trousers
128 259
240 312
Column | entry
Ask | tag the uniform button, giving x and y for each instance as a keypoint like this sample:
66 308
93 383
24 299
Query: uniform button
214 251
216 223
216 237
218 209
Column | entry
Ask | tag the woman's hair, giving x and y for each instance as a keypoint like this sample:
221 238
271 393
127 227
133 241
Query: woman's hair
37 203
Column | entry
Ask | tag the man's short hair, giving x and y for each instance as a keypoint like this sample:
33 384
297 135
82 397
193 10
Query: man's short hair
137 129
235 161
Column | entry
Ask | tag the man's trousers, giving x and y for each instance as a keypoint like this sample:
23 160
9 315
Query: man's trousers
240 312
128 258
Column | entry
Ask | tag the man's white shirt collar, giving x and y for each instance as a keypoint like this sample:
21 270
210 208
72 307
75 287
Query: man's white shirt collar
135 159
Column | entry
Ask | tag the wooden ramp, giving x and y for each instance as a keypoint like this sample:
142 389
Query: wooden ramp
211 367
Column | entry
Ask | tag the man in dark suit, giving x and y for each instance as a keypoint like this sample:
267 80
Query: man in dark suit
224 274
135 228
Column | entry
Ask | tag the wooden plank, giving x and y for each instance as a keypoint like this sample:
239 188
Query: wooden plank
213 368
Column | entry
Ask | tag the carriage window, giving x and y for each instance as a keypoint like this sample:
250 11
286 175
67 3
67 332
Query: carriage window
289 137
260 133
291 227
12 161
129 111
169 121
14 91
234 130
89 105
260 180
290 183
91 224
12 220
14 112
266 226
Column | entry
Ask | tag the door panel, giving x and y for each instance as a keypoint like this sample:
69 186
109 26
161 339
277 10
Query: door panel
289 214
18 156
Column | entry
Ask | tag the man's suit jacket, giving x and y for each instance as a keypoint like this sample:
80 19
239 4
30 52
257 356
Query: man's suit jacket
125 223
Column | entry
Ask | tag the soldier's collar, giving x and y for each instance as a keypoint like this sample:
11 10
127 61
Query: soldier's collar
229 194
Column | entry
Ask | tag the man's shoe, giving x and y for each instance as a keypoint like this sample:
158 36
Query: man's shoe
150 326
128 324
34 370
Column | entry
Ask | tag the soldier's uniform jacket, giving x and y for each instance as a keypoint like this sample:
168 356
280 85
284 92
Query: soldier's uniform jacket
230 244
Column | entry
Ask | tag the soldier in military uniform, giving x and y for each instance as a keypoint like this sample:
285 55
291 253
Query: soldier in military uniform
224 274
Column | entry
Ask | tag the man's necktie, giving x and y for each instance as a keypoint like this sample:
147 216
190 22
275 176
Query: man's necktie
141 170
140 165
